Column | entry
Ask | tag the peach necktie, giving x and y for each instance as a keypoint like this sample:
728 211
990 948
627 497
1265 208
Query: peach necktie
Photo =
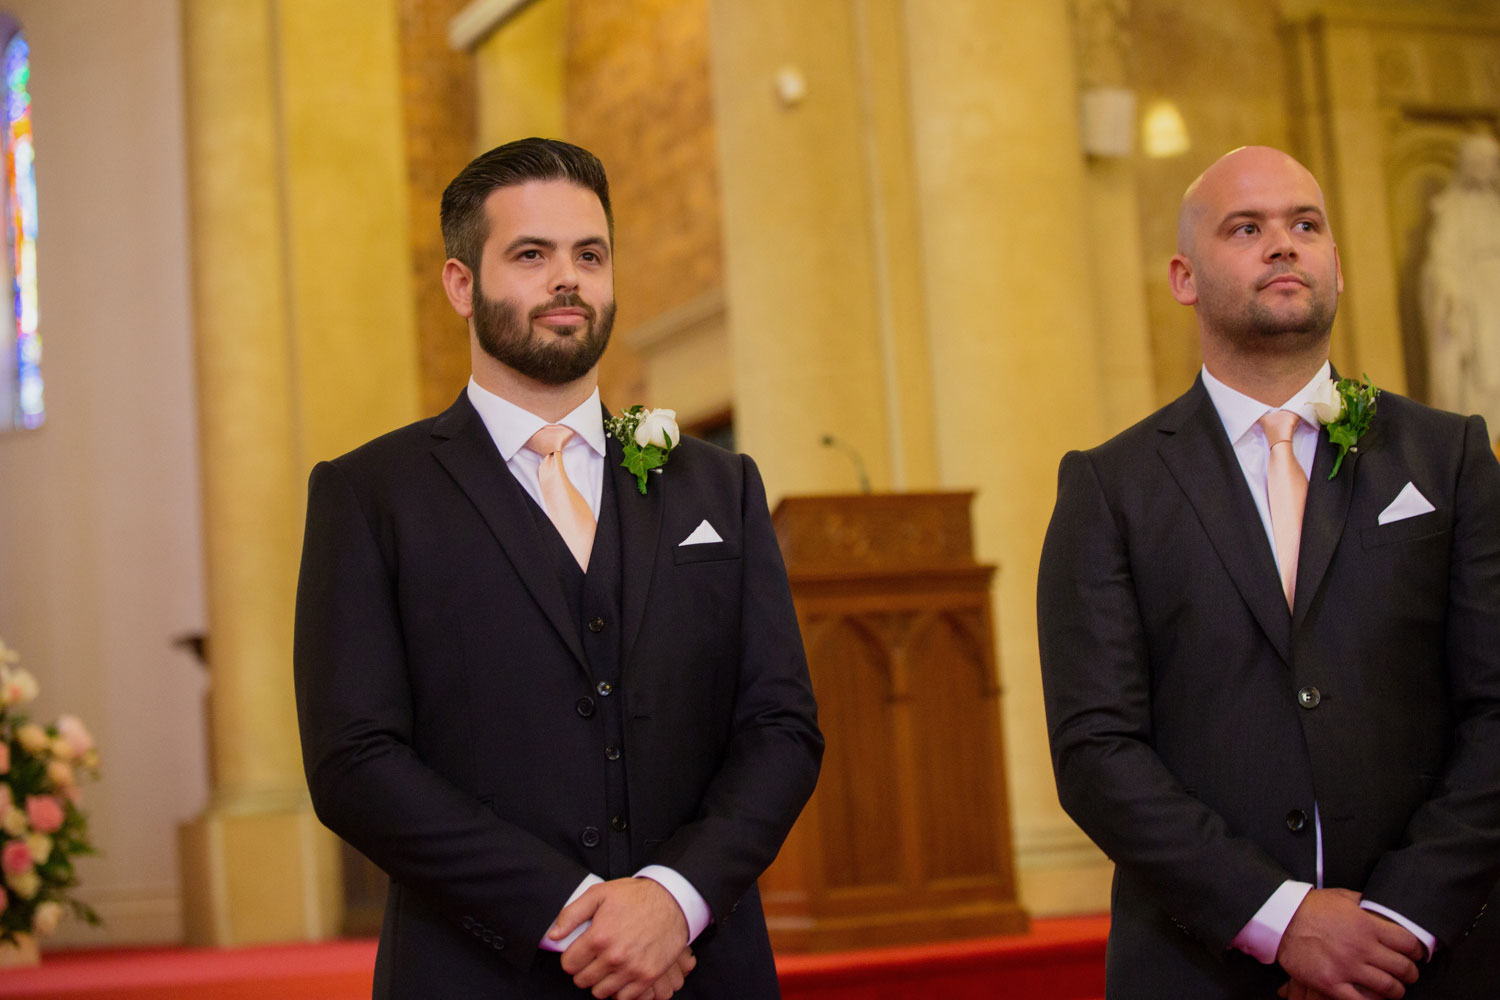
1286 489
569 511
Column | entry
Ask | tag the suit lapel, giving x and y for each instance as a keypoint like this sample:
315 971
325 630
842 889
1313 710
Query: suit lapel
467 451
1324 518
640 536
1202 461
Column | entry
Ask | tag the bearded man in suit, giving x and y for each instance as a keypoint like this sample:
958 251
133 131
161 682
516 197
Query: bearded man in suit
1273 692
573 722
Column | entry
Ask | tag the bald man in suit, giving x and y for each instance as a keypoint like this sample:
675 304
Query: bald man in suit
1289 744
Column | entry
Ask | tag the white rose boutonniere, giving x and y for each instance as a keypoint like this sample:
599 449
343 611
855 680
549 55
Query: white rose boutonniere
1346 408
1327 403
647 437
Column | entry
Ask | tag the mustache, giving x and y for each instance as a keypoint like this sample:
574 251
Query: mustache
563 300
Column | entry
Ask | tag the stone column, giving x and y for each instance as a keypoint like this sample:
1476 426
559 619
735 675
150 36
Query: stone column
803 275
305 346
1006 261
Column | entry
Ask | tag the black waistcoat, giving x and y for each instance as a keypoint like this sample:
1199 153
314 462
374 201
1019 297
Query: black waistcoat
595 606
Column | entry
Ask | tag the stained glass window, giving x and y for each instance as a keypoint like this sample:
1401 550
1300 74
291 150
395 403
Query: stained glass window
23 366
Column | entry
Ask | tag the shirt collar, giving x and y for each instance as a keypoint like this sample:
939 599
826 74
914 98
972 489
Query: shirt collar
511 426
1239 412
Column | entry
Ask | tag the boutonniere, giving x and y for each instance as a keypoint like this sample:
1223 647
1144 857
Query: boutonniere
1346 407
647 436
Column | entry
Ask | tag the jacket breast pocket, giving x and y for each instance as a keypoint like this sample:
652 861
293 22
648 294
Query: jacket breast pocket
705 552
1409 529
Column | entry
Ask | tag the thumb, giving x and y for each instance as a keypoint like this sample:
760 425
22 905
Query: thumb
580 911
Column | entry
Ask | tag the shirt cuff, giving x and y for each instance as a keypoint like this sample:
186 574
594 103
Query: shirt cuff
548 944
1428 941
694 906
1261 937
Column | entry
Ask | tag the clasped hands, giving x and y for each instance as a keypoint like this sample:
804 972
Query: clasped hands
1333 949
636 946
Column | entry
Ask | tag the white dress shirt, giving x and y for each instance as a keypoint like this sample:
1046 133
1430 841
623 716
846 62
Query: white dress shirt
1240 415
583 459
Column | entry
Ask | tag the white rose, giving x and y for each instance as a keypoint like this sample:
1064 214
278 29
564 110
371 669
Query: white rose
44 919
1327 403
15 823
658 427
33 738
60 773
40 846
26 884
17 686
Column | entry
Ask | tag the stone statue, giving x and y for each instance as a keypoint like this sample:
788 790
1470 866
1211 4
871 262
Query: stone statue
1461 286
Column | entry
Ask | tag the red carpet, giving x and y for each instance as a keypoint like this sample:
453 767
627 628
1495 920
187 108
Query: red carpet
1058 960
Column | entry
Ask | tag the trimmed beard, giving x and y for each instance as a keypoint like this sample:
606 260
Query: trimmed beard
510 340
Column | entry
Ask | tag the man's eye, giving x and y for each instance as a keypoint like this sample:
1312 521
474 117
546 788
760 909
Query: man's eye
1246 229
529 255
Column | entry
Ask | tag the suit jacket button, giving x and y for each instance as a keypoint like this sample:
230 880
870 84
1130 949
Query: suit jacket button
1309 697
619 824
589 837
1296 820
596 624
611 753
498 944
585 707
604 688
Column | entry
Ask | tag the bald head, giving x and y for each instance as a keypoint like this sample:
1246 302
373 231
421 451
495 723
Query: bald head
1257 262
1237 178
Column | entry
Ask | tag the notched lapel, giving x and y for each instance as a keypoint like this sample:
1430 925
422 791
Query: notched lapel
468 452
1202 461
640 537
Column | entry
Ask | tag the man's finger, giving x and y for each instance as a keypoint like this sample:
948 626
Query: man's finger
1398 938
575 913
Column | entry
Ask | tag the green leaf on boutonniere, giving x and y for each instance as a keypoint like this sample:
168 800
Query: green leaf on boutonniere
1354 403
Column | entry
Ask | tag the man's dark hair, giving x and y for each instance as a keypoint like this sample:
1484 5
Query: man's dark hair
465 226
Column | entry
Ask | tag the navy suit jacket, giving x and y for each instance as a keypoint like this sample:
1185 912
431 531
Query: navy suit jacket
1195 720
438 677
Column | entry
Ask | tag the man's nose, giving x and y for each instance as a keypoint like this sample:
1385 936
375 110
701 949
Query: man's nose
1279 243
564 276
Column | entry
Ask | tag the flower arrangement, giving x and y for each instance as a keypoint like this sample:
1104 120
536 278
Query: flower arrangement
1347 408
41 826
647 437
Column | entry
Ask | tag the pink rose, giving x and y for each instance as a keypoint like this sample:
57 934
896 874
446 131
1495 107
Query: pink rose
72 729
4 900
45 813
15 857
4 757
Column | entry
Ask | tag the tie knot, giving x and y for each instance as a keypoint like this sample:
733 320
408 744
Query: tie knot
549 439
1279 425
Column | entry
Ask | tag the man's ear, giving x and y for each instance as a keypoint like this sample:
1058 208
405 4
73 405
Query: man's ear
458 282
1180 276
1338 268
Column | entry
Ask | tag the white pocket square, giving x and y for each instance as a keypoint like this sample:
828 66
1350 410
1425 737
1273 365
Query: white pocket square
1408 503
705 533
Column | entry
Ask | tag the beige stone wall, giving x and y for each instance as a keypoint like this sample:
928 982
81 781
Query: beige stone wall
1222 64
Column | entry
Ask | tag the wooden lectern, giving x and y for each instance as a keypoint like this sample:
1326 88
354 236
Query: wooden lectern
907 837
